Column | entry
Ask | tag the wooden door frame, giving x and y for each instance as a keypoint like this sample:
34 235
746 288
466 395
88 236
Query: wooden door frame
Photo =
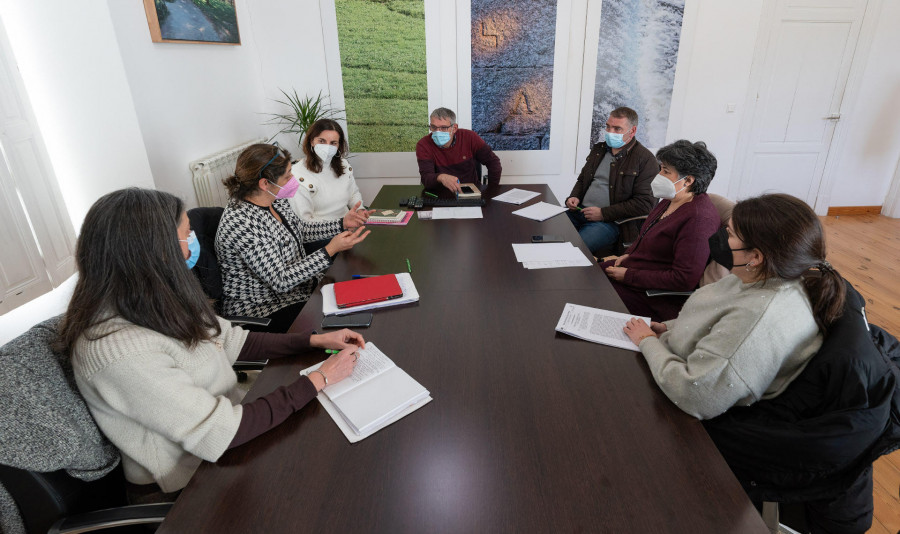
849 100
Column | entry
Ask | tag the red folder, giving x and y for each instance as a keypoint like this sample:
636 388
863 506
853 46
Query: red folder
366 290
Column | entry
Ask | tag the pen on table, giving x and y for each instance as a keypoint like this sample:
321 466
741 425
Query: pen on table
355 276
430 194
408 266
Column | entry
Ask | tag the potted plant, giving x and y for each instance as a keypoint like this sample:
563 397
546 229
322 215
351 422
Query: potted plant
302 114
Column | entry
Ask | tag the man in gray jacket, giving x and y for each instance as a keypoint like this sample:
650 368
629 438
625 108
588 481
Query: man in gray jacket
614 184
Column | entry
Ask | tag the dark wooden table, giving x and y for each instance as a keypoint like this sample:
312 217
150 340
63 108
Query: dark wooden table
529 430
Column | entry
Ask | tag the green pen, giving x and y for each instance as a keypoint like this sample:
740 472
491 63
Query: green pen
408 266
331 351
579 208
431 194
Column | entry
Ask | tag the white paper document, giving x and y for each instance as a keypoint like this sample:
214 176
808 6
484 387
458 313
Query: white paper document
516 196
424 215
541 211
410 294
550 255
599 326
457 212
375 395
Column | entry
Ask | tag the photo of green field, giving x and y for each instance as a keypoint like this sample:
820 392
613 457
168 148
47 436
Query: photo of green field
382 45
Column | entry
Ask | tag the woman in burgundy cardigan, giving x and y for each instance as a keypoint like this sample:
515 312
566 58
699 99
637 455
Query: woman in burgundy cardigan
672 248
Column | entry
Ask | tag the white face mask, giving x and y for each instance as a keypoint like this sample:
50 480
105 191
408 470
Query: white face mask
664 188
326 152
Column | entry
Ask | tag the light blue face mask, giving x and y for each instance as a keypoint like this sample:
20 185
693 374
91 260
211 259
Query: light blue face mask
440 138
614 140
194 247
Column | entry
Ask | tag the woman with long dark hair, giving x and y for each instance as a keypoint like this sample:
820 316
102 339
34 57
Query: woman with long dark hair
327 187
747 336
151 358
266 272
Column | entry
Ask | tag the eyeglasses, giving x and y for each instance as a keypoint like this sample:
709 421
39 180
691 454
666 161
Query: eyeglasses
277 152
434 128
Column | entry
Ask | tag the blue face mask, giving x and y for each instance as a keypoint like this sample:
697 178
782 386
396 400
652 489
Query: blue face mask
614 140
440 138
194 248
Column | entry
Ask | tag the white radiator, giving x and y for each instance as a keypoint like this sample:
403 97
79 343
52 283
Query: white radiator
208 173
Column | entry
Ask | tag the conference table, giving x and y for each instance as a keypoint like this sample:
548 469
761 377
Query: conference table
529 430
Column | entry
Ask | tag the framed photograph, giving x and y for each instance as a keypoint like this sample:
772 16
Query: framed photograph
192 21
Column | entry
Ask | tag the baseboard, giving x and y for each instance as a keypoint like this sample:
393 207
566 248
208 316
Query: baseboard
854 210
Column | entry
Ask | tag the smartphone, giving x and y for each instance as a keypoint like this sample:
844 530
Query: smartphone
466 189
546 239
353 320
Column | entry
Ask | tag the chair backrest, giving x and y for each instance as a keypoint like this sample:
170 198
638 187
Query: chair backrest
715 272
205 223
823 432
50 445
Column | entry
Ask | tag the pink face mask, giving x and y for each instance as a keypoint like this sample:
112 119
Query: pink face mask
287 190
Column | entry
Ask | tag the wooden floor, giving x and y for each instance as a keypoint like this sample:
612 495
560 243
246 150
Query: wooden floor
866 251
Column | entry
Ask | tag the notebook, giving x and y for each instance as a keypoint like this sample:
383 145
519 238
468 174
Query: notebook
366 290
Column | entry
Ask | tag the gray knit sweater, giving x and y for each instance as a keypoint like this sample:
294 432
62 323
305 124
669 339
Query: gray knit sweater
734 344
165 406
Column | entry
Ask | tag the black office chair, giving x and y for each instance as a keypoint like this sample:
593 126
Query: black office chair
58 470
812 447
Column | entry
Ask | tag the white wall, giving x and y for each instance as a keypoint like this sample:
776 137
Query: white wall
73 73
869 147
195 99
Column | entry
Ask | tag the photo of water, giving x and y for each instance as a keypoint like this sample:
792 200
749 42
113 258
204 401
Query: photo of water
636 64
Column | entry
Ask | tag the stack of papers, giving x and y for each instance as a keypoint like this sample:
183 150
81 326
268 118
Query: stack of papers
375 395
516 196
458 212
397 220
549 255
600 326
541 211
330 307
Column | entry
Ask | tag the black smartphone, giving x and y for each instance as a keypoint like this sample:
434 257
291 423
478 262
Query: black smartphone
546 239
353 320
466 189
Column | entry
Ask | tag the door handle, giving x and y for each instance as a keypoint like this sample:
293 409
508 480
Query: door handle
833 117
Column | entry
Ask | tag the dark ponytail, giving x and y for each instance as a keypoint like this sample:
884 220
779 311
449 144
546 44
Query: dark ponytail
791 239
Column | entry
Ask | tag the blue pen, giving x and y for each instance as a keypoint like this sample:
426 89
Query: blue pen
457 193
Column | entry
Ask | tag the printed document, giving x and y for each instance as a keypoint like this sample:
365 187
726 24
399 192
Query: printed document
600 326
457 212
541 211
516 196
550 255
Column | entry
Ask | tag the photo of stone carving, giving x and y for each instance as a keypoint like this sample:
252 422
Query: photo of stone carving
636 64
512 72
192 21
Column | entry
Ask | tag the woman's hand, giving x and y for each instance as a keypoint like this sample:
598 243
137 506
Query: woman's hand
572 203
357 216
619 260
616 273
338 340
658 328
346 240
336 368
636 330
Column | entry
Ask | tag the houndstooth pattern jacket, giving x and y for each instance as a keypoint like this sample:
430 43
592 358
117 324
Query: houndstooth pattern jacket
264 268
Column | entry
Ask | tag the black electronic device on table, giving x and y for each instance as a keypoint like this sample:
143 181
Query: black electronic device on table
429 202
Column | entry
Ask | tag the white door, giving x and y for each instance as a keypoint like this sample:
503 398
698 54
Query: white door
802 62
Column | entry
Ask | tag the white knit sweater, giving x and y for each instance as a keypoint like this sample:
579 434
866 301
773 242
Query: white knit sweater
322 196
165 406
734 344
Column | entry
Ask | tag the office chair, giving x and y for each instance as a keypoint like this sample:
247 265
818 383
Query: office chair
57 470
812 447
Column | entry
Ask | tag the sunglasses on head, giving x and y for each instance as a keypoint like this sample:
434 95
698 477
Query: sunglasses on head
277 153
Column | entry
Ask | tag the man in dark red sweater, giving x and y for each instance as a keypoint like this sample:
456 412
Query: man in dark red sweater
449 155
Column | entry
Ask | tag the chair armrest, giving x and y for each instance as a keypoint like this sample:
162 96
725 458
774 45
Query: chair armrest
112 517
239 320
629 219
249 365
